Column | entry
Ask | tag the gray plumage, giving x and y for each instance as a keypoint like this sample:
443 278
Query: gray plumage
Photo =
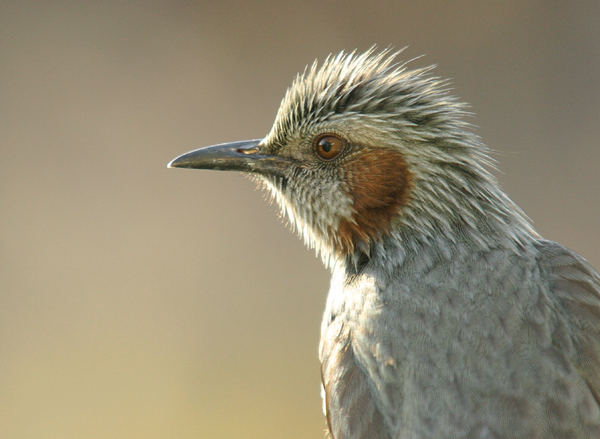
448 316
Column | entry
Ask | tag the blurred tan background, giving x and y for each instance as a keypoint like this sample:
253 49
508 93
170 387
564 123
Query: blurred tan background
138 301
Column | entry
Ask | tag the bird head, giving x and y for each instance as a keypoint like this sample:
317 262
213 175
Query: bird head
363 149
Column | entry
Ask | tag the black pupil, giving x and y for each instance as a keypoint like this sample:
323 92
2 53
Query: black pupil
326 145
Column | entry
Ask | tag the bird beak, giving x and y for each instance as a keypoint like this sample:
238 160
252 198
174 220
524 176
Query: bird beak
236 156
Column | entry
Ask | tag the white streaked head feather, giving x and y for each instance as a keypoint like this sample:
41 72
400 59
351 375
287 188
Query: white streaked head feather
370 100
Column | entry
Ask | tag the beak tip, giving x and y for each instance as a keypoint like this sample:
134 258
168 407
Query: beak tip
178 162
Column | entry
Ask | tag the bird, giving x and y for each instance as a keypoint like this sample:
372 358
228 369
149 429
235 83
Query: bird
447 315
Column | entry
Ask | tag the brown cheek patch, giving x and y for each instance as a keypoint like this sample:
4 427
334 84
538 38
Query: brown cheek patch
378 182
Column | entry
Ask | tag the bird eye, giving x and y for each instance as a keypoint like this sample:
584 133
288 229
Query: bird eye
328 146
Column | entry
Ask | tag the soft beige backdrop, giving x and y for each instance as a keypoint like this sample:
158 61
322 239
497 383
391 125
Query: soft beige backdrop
143 302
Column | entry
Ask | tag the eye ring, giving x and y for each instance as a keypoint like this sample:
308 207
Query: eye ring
329 146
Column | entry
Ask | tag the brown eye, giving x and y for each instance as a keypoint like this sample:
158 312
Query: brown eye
328 146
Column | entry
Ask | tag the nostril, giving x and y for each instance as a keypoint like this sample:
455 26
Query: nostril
253 150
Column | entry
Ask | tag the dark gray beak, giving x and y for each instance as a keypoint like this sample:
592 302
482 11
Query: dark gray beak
236 156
